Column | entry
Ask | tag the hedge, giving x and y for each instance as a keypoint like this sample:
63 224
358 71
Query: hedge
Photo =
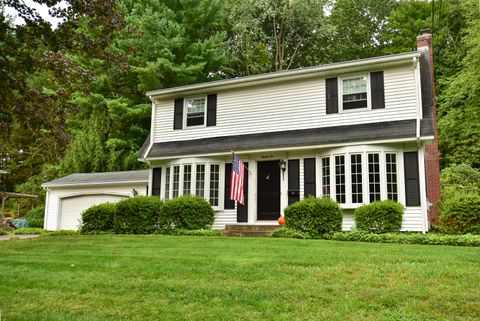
379 217
3 232
460 214
35 217
186 212
314 215
98 218
137 215
30 230
398 238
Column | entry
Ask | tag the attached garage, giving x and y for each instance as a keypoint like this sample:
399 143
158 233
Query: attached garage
69 196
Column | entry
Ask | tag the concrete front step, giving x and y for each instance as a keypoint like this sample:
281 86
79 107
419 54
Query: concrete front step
249 230
246 233
248 227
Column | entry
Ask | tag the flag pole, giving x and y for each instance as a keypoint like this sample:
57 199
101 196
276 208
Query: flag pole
248 169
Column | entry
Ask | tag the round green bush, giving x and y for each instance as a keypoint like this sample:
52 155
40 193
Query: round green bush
137 215
379 217
98 218
461 214
314 215
187 212
35 217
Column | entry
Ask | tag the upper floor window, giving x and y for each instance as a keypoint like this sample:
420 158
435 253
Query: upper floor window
354 92
195 111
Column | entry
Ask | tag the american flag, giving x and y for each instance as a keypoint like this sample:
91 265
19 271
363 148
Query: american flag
236 180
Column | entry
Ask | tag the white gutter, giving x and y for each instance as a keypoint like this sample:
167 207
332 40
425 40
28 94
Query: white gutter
54 185
285 75
418 85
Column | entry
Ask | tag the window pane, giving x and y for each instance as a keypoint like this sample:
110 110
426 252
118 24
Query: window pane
167 183
176 180
391 164
200 182
354 93
356 172
195 112
187 179
340 178
326 176
374 177
214 175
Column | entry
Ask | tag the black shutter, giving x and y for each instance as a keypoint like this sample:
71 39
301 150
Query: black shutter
377 88
332 95
309 177
412 181
293 181
242 210
212 110
178 115
156 181
229 204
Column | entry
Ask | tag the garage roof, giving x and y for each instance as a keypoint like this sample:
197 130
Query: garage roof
139 176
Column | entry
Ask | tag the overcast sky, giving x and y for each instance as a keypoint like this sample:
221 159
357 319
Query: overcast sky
41 9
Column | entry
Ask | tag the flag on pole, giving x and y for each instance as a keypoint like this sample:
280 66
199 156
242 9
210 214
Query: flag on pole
236 180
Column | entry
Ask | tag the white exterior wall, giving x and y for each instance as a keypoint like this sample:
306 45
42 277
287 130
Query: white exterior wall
56 194
290 105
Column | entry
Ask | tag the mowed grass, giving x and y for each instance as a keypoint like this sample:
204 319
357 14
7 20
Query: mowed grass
108 277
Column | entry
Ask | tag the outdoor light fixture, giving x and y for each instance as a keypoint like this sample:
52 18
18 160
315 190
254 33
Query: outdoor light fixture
134 192
283 166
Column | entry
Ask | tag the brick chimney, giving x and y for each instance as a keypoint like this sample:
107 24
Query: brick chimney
432 152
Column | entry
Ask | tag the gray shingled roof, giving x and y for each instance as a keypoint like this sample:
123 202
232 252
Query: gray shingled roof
286 139
99 178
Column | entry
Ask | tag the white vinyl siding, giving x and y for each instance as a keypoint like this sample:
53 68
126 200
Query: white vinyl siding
289 106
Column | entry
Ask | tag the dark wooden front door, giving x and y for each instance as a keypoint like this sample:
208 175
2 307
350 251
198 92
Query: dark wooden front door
268 190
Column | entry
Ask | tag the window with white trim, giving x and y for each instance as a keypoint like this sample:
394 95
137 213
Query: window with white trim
374 177
201 179
187 179
326 176
195 111
356 178
340 178
391 169
214 183
176 181
354 92
353 177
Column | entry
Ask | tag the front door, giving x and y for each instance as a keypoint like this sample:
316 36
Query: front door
268 190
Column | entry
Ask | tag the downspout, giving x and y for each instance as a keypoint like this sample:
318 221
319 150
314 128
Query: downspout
418 85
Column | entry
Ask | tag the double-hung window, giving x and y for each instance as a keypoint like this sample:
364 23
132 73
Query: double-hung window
354 92
195 111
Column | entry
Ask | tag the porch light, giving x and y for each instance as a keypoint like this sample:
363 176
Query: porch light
283 166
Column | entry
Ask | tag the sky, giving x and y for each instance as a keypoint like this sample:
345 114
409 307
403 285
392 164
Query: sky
41 9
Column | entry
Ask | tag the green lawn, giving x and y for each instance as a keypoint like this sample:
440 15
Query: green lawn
212 278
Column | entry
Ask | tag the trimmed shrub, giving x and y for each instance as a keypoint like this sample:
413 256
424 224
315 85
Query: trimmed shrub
285 232
137 215
460 214
379 217
314 215
35 217
30 230
98 218
186 212
201 232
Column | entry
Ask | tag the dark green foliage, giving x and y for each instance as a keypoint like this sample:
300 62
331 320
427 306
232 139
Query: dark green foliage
285 232
461 214
98 218
28 230
379 217
35 217
314 215
186 212
460 179
137 215
3 232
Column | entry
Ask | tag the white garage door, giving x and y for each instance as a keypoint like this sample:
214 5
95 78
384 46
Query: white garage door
72 208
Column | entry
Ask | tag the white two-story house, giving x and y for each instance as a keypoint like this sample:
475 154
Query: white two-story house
357 131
